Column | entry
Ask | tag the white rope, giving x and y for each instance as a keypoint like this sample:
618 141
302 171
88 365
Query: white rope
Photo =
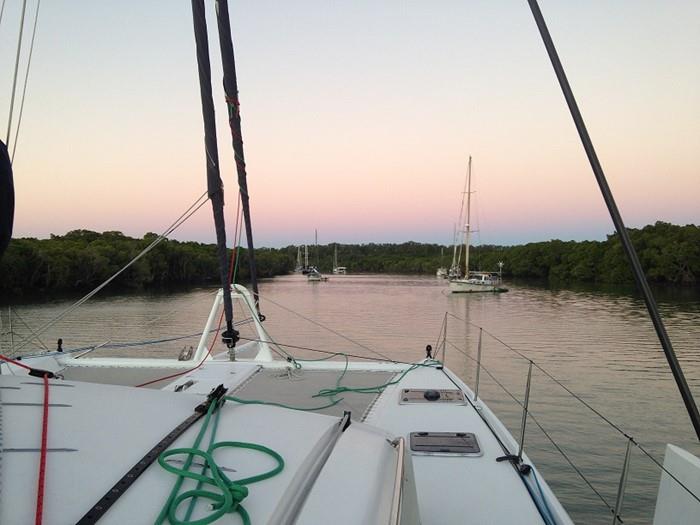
178 222
14 80
26 79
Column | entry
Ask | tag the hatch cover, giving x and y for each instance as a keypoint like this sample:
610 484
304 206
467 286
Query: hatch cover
453 443
416 395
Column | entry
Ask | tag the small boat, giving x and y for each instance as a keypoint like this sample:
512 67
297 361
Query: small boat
474 282
315 276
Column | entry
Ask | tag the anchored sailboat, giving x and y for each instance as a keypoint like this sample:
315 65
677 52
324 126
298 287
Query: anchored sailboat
338 270
441 271
314 275
473 281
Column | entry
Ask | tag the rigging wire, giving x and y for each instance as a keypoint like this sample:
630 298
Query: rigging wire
575 396
625 241
233 268
331 353
2 10
29 328
26 79
174 226
14 79
321 325
550 376
529 413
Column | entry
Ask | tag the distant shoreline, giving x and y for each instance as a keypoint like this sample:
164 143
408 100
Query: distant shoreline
82 259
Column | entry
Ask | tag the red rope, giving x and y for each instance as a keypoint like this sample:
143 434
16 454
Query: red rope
42 459
213 342
10 360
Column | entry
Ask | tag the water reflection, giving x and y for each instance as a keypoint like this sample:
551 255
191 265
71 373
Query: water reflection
598 342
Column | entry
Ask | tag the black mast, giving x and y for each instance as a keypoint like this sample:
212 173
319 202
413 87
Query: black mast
627 246
234 119
215 187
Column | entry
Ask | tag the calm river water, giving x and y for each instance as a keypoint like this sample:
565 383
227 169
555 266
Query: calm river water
600 345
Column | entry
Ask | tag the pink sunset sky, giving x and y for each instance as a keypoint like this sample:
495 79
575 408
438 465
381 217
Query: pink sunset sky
359 117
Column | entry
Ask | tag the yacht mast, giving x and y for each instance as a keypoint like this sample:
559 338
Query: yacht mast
454 247
215 187
234 119
466 223
318 259
306 256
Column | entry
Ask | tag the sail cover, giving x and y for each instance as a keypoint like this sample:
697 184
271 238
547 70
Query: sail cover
7 198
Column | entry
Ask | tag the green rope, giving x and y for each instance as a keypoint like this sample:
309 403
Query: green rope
331 393
281 405
230 492
376 389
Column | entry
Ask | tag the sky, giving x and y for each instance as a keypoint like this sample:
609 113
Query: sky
358 118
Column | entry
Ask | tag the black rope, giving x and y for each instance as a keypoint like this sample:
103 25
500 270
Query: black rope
127 480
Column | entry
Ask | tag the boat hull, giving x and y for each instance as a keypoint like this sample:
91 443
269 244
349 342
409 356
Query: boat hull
469 286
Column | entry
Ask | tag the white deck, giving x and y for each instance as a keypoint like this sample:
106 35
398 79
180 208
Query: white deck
108 428
455 489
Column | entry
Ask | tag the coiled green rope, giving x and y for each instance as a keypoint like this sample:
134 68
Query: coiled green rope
231 492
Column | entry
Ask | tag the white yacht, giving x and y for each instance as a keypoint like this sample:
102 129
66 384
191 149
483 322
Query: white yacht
338 270
473 282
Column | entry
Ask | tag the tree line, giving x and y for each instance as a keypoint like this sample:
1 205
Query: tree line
82 259
668 253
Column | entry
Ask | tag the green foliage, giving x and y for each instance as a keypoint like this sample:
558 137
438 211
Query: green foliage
82 259
669 254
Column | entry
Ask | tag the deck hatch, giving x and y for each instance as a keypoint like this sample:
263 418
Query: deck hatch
459 443
418 395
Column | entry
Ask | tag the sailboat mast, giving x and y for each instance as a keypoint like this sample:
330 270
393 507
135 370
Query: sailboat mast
234 119
306 256
466 224
454 246
215 187
318 259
